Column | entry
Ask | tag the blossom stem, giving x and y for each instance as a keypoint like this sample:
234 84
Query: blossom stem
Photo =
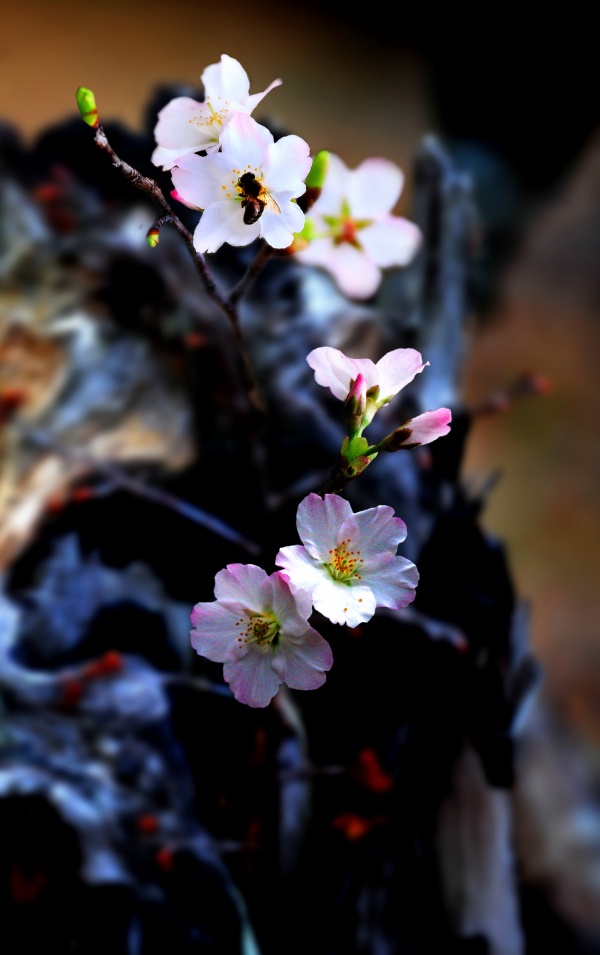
262 257
119 478
227 304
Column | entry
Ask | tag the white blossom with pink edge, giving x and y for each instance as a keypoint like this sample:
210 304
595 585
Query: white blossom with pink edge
352 232
258 628
277 171
394 371
347 561
186 126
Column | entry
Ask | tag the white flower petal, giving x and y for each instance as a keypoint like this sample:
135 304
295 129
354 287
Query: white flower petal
252 680
319 522
301 570
255 98
278 227
226 80
335 188
198 180
397 368
223 222
374 188
178 124
344 604
245 584
392 241
354 272
166 158
393 583
288 165
245 143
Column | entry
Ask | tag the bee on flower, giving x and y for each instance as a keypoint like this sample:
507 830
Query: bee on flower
248 189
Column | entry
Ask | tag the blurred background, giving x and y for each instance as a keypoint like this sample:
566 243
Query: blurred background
517 108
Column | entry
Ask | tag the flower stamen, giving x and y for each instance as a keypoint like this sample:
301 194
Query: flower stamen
262 629
343 562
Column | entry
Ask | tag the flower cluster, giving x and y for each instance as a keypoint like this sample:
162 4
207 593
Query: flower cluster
228 167
245 184
346 566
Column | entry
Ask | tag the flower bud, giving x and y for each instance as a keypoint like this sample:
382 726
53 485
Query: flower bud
86 102
314 181
355 404
153 237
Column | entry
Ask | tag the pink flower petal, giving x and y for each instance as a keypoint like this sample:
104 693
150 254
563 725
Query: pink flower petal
392 241
301 665
245 584
375 532
426 427
335 371
394 583
375 188
252 680
215 632
319 521
397 369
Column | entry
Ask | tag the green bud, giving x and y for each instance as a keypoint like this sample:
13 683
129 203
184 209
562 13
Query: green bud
318 170
86 103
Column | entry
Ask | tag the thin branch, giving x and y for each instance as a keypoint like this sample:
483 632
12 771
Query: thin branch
262 257
120 479
226 304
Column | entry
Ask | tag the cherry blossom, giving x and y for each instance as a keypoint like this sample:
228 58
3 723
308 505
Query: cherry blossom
390 374
351 231
246 190
258 628
347 561
186 126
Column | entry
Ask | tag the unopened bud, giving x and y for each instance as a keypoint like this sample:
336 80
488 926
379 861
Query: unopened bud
314 180
355 405
318 170
153 237
86 102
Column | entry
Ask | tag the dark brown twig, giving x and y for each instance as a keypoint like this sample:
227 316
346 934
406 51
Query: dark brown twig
225 303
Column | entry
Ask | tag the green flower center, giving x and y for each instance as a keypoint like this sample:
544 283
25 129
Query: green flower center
260 628
344 228
344 563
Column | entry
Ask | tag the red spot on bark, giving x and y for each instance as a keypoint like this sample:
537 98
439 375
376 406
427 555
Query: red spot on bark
147 824
165 859
25 887
370 773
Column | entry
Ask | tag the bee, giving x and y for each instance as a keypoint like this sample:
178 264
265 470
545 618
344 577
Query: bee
256 198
